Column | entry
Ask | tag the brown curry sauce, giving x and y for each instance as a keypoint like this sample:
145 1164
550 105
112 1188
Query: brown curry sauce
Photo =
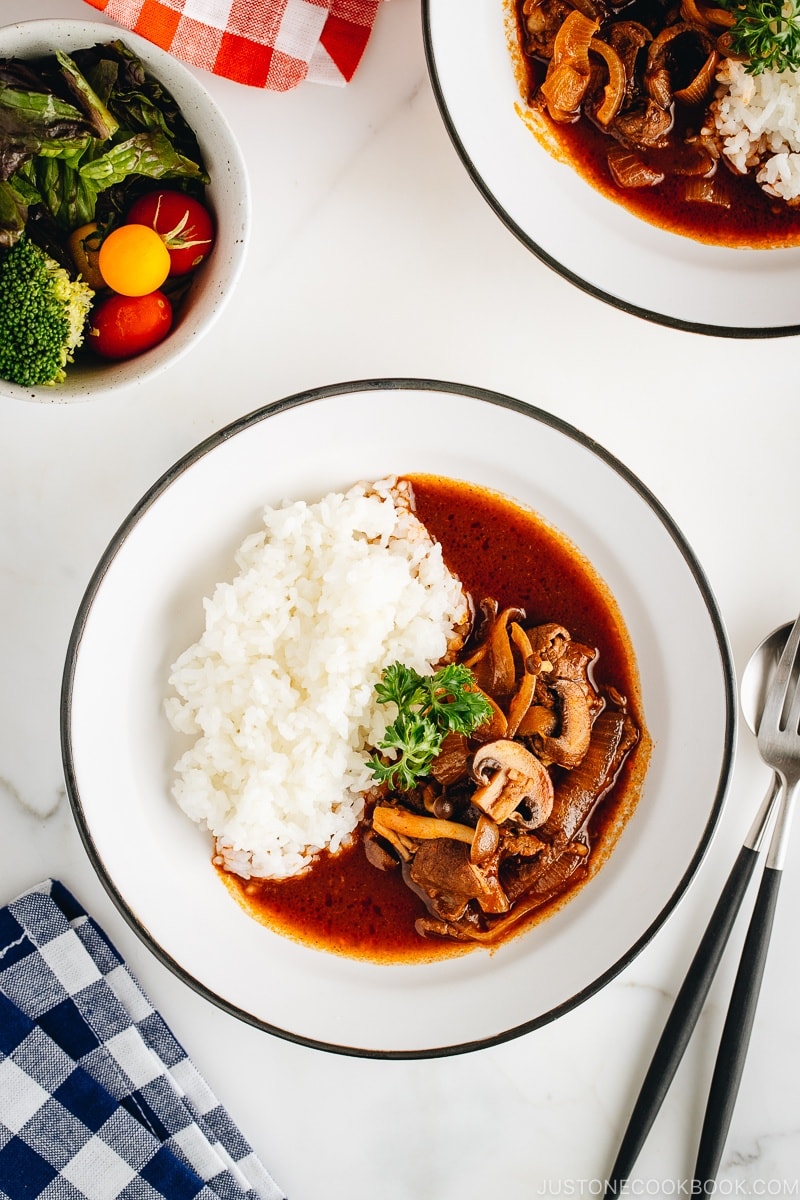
496 547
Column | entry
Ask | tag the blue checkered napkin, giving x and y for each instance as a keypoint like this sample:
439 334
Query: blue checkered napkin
97 1099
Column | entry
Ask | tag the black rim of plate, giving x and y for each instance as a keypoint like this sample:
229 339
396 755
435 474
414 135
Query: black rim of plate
726 331
254 418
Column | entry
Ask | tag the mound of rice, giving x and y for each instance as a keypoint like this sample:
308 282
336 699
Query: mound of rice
757 120
278 693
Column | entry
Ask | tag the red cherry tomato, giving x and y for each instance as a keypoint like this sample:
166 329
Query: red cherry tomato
183 223
123 326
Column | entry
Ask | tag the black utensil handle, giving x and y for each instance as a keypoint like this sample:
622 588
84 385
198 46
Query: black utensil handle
682 1018
736 1032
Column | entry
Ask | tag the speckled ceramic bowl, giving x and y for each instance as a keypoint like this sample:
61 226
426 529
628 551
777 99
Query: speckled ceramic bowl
228 195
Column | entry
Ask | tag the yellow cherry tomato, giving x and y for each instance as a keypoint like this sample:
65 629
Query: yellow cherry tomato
84 245
133 260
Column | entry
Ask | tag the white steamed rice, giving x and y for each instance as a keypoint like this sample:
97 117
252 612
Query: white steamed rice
757 119
278 693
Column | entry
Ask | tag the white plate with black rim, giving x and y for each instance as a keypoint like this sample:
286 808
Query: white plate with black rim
595 243
143 605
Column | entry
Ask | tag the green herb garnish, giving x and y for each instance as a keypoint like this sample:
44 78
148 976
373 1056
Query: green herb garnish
767 33
428 708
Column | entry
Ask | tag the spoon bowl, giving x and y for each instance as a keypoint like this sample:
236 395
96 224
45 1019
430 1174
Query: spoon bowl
758 674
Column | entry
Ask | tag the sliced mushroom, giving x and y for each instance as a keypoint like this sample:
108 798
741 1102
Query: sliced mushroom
493 661
569 747
510 776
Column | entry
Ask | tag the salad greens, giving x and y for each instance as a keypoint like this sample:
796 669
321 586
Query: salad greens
428 708
81 137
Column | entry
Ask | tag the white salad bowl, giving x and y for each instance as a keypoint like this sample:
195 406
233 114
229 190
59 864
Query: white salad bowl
228 196
143 606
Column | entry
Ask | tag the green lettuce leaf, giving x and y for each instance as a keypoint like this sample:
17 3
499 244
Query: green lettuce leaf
29 121
103 124
13 213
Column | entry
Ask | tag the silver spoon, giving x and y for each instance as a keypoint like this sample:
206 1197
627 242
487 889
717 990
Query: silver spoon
775 701
692 995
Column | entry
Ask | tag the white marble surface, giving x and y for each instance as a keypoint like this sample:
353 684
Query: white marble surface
373 255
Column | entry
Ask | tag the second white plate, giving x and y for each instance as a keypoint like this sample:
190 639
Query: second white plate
586 237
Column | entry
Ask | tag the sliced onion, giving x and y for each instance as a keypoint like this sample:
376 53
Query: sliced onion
573 39
705 191
629 171
568 73
614 90
708 18
703 83
564 90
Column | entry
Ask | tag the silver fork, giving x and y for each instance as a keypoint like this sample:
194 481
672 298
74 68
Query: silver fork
779 746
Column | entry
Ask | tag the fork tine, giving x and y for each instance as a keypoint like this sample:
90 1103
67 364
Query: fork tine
793 713
788 666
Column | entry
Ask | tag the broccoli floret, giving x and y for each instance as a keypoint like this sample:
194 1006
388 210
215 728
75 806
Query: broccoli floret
42 316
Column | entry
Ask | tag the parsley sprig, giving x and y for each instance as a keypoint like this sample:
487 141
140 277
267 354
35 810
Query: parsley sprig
428 708
767 33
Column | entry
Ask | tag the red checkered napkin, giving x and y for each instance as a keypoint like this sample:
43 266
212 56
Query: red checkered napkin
272 44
